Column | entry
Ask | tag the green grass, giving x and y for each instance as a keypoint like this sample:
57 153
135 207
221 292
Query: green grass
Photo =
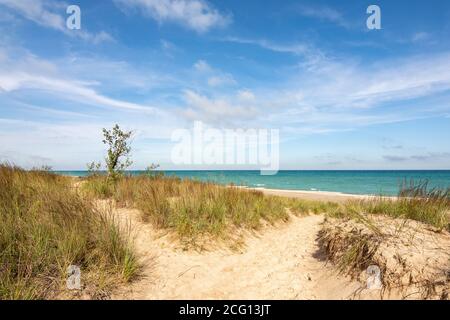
193 208
45 226
415 201
310 206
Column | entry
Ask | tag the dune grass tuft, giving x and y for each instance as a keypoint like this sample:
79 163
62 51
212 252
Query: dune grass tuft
362 233
415 201
45 227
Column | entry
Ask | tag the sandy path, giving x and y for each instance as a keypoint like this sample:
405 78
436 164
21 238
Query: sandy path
282 262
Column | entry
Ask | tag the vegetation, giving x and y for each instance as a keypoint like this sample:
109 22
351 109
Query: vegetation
350 248
408 265
365 234
415 201
45 226
118 154
193 208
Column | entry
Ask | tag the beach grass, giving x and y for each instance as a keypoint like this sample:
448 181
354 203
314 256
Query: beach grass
190 208
415 201
48 222
193 208
377 231
45 227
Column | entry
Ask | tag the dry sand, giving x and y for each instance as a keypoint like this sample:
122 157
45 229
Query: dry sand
284 261
280 262
414 257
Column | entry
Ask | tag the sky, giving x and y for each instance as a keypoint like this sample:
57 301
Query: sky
342 96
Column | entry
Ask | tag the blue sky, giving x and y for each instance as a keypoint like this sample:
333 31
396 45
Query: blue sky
342 96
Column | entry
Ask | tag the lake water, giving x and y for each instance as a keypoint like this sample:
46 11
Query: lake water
384 182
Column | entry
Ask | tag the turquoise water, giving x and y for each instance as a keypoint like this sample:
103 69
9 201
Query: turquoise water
353 182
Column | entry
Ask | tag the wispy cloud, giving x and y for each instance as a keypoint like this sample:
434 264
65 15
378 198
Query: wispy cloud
324 13
215 77
323 93
347 82
49 13
418 157
226 110
37 11
197 15
395 158
28 72
297 49
421 36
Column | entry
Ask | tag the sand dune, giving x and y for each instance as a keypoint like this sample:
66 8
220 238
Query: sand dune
281 262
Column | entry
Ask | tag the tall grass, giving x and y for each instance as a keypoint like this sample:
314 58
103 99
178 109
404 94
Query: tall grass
193 208
45 226
415 201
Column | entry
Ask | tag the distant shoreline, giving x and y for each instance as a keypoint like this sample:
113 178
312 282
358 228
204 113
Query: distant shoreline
298 193
316 195
334 185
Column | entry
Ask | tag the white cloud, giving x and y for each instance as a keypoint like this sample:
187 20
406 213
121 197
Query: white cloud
169 48
95 38
218 110
70 89
323 94
324 13
29 72
216 81
297 49
402 80
197 15
47 14
202 66
326 82
98 69
36 11
246 95
215 78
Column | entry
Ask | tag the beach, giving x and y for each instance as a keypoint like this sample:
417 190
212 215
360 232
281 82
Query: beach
162 237
353 182
317 195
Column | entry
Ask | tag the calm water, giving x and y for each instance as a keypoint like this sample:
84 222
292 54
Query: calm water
354 182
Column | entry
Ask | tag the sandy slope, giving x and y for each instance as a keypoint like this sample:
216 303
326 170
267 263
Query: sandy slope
282 262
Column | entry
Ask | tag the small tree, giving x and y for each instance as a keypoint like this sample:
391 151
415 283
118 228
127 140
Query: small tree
150 171
94 168
119 149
